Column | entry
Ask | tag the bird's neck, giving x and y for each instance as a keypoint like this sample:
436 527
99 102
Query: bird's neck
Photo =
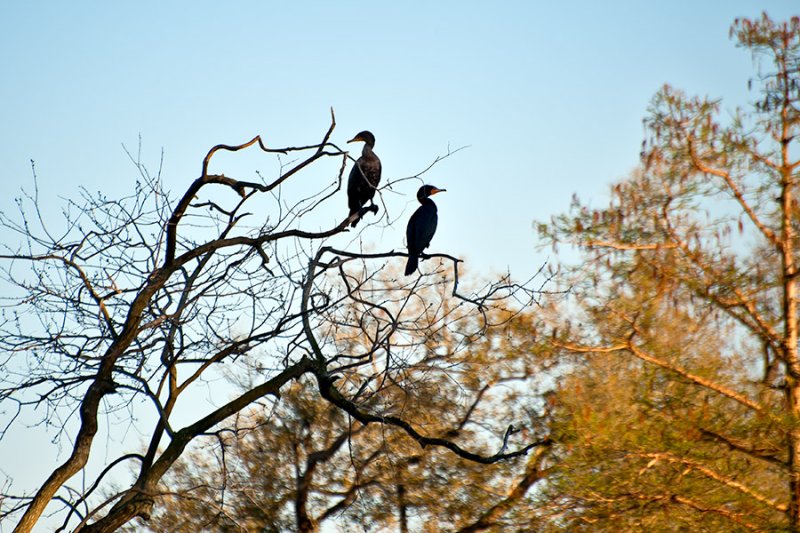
427 201
367 150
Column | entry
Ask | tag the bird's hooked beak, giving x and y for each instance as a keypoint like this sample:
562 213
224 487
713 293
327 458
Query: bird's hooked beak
435 190
357 138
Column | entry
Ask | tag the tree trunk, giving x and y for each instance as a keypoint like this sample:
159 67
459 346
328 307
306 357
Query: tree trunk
790 296
401 503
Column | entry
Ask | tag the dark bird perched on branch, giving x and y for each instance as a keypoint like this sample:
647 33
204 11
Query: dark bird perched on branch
364 177
421 226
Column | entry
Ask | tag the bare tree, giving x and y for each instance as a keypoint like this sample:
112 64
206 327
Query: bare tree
142 299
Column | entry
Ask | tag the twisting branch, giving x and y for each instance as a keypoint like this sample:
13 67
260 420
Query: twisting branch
533 473
240 186
94 486
631 347
737 193
330 393
708 472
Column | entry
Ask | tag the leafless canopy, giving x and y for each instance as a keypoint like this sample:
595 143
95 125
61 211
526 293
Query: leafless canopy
132 305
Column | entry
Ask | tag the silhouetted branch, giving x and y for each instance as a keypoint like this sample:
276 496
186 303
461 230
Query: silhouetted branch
330 393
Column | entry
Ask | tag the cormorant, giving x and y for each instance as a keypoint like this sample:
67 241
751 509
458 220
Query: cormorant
364 176
421 226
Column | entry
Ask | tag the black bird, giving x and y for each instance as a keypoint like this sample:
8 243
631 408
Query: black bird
421 226
364 177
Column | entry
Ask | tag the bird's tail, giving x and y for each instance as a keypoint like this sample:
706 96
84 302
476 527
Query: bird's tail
411 265
354 223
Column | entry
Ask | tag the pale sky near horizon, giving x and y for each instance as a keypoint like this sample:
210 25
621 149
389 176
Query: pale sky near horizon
549 97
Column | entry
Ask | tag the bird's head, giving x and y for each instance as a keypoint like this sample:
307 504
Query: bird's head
365 137
428 190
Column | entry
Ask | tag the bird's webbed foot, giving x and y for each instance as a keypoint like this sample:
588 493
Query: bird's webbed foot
363 210
367 209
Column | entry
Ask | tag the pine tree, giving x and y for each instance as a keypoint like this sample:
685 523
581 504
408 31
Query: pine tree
683 412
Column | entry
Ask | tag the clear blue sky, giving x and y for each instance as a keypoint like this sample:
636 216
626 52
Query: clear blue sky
549 95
